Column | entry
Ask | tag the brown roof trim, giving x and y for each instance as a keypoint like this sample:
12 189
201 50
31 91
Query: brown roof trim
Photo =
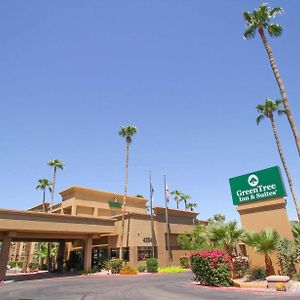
175 212
71 190
134 214
47 204
51 215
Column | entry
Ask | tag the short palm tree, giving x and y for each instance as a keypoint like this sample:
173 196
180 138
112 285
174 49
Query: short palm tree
126 132
56 165
225 235
260 20
44 184
296 230
177 197
264 242
267 110
191 206
185 198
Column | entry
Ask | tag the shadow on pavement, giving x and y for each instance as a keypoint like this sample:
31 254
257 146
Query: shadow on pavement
36 276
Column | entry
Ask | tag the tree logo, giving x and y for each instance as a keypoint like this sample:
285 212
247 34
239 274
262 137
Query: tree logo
253 180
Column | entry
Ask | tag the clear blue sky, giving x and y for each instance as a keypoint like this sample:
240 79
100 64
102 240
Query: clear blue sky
72 72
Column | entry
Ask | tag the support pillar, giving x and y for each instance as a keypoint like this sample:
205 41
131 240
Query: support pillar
4 255
61 255
133 256
87 254
258 215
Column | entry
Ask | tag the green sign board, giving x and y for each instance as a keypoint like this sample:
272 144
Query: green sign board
259 185
115 203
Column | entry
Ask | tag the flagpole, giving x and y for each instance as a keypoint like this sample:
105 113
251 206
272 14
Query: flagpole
151 210
167 222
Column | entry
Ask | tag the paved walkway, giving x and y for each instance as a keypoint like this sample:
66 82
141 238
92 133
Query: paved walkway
161 286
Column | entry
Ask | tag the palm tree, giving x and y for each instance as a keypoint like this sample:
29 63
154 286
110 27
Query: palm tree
177 197
264 242
261 19
225 235
44 184
55 164
185 198
267 110
191 206
126 132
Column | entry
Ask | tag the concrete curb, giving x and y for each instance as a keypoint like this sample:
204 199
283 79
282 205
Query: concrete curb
249 291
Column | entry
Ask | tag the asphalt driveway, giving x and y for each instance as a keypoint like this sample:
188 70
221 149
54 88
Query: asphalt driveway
169 286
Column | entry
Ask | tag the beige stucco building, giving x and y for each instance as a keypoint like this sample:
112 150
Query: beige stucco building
88 223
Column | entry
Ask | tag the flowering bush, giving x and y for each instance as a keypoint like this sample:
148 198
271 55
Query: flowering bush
240 266
213 267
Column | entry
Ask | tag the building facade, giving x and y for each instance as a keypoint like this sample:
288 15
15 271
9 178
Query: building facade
139 231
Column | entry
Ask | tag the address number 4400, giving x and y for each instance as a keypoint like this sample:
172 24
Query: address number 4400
147 239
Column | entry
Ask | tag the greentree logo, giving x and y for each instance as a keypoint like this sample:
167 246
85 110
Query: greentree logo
115 203
253 180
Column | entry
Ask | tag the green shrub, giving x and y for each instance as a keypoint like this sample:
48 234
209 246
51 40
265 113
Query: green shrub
296 277
12 264
95 269
184 262
288 254
33 266
115 265
257 273
213 267
141 268
128 270
152 265
19 264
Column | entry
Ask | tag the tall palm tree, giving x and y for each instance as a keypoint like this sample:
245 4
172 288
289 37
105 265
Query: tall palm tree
56 165
126 132
44 184
267 110
264 242
185 199
191 206
260 20
177 197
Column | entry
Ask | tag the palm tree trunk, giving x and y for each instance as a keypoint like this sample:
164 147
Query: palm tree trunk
269 266
285 167
185 204
53 189
44 200
124 200
281 87
51 205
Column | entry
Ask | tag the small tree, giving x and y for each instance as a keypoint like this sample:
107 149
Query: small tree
264 242
288 254
195 240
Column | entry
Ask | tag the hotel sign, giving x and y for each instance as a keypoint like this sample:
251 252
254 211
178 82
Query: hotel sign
259 185
115 203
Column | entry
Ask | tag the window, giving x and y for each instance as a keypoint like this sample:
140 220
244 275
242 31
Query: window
146 252
115 253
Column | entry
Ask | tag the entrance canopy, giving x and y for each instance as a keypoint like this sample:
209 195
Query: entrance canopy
25 225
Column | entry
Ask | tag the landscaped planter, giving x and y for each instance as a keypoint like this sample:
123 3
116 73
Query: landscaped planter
273 280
